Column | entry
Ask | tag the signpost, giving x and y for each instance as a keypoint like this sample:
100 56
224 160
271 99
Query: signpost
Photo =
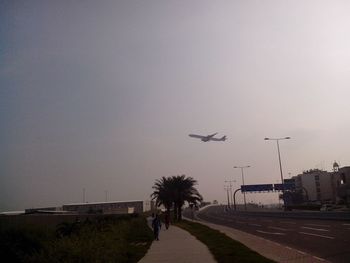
256 188
279 187
288 186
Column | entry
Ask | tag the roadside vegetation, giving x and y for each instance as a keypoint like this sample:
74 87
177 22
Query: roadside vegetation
172 192
223 248
106 239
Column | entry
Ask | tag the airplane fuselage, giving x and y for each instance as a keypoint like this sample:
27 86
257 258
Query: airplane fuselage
208 137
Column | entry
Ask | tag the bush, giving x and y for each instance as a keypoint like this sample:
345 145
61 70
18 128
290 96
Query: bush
106 239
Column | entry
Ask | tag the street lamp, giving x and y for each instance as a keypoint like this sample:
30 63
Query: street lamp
279 159
242 167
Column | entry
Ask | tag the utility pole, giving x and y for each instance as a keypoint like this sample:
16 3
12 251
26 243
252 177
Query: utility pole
227 189
83 195
230 182
242 167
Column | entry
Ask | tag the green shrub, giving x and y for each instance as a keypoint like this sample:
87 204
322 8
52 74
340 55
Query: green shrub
106 239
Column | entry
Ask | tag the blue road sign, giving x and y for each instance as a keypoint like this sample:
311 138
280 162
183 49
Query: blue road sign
279 187
256 188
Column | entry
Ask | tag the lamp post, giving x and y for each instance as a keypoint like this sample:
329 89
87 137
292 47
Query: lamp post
242 167
279 159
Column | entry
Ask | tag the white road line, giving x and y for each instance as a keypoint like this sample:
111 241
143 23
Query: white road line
278 228
310 234
346 224
317 229
271 233
301 252
322 259
254 225
318 225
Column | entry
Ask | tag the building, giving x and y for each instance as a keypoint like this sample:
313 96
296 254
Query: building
325 187
316 185
44 210
343 184
116 207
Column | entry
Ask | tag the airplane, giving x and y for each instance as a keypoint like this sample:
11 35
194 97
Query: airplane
208 137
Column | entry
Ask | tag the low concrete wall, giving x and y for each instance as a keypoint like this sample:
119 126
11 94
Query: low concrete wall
326 215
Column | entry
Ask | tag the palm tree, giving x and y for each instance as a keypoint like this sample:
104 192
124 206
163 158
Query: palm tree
185 192
163 193
175 190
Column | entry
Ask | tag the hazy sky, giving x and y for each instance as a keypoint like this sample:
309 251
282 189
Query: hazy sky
102 95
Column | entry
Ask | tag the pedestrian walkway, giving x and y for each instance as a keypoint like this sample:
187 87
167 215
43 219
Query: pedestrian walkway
177 245
264 247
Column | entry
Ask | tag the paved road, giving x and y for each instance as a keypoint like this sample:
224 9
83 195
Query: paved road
327 239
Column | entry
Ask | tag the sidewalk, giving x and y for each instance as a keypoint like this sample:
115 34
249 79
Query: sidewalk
177 245
264 247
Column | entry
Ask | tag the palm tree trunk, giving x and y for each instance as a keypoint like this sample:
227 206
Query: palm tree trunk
175 211
179 213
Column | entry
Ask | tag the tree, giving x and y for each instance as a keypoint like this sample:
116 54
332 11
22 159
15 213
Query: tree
163 193
176 190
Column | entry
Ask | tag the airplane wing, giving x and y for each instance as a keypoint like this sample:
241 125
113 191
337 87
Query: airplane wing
211 136
197 136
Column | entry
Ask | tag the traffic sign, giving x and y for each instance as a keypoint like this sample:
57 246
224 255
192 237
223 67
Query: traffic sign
256 188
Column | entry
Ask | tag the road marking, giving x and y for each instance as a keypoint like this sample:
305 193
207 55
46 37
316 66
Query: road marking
317 229
279 228
346 224
318 225
301 252
271 233
322 259
310 234
254 225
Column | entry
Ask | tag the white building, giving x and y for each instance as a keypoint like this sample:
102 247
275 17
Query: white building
316 184
116 207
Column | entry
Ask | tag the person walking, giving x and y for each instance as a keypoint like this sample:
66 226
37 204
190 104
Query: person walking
156 225
167 220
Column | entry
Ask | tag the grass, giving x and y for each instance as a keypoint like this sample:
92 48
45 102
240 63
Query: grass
221 246
105 239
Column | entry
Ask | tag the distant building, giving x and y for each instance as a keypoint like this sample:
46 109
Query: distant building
343 184
323 186
43 210
316 185
117 207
